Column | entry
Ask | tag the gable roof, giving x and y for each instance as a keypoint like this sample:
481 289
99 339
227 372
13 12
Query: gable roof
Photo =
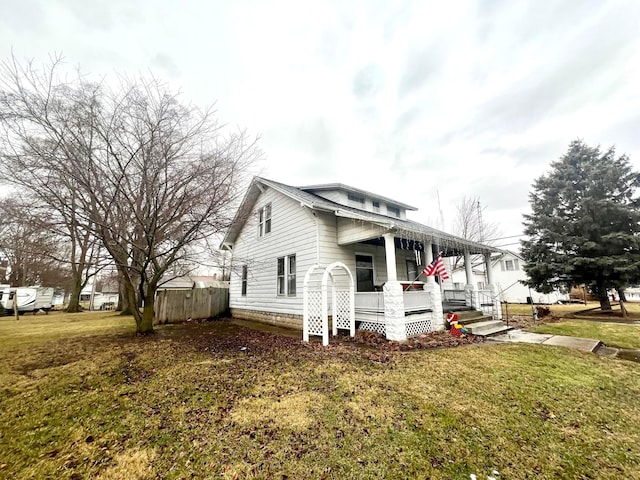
347 188
316 202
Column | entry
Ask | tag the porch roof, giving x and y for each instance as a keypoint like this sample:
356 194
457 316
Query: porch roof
449 244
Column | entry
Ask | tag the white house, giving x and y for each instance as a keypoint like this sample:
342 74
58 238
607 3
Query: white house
508 274
286 242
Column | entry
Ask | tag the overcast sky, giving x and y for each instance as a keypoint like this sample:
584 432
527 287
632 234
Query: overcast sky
399 98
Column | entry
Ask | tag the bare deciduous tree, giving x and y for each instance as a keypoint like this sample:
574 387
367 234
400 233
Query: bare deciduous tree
145 173
29 247
469 223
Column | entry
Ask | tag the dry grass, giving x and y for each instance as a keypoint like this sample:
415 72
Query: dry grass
190 402
611 334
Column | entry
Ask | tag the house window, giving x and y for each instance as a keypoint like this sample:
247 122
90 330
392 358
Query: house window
281 276
286 279
291 276
395 211
267 218
457 286
356 199
412 269
481 285
264 220
364 273
244 281
510 265
376 207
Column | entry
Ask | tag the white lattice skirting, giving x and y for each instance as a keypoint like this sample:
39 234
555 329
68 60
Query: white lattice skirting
418 328
372 327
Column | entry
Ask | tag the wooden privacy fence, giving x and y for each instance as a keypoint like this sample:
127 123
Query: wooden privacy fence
180 305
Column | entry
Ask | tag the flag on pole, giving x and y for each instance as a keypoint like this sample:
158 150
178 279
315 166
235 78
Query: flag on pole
436 268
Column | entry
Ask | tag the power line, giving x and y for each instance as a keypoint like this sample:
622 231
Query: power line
504 238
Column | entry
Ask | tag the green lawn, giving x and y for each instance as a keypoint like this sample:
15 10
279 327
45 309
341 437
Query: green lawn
611 334
574 308
83 397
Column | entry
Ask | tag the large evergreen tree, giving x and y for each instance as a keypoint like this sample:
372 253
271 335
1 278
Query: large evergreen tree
584 226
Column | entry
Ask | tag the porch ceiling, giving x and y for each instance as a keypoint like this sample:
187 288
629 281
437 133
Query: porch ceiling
352 231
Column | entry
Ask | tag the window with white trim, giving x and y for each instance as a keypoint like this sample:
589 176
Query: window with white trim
510 265
356 200
364 273
244 281
412 269
393 211
376 206
286 276
264 220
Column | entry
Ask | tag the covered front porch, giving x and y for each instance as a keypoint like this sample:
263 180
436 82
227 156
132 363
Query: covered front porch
396 300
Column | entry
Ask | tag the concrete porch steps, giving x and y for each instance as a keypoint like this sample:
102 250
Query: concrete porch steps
480 324
487 328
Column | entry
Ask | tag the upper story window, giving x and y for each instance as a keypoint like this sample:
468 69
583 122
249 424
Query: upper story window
359 201
264 220
393 211
376 207
511 265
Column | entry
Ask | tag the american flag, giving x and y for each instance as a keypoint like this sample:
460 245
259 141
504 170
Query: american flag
436 268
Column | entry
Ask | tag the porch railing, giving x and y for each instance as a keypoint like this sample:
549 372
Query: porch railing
373 302
454 296
486 302
370 302
416 302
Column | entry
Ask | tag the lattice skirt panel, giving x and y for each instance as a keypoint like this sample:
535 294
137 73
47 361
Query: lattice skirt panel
314 310
418 328
372 327
342 314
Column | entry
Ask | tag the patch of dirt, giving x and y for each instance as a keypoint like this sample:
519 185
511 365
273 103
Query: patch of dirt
229 337
430 340
525 321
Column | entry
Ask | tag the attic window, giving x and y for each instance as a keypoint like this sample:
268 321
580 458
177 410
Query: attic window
264 220
376 207
395 211
356 199
510 265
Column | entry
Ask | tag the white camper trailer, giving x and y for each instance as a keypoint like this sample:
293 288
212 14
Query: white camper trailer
29 299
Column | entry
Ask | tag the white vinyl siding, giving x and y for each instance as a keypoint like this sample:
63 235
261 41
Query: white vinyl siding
293 230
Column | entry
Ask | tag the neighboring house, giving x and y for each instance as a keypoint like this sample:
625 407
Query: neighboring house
284 238
508 273
105 295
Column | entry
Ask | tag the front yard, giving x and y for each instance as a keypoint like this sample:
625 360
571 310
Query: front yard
83 397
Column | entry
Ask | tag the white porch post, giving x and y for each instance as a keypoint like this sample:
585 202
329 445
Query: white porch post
390 255
497 307
433 289
428 251
395 327
469 290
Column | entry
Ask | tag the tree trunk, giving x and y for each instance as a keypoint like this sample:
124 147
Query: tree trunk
74 298
123 299
603 296
622 295
146 325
